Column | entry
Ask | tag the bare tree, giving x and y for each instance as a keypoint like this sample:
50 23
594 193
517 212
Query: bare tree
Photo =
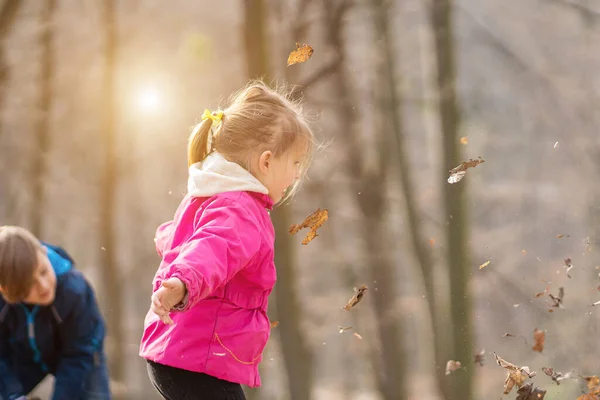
370 187
111 280
8 14
296 355
454 197
38 170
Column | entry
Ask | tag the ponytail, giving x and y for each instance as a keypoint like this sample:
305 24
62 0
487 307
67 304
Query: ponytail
198 142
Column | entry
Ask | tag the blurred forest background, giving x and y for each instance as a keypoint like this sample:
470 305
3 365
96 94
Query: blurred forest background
97 99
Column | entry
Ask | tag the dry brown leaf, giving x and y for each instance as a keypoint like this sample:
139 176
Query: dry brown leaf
343 329
457 173
568 266
593 385
555 375
540 294
485 264
479 358
539 337
557 300
515 376
314 221
302 53
528 392
452 366
356 298
274 324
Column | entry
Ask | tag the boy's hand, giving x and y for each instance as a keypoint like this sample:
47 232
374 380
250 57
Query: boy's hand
171 293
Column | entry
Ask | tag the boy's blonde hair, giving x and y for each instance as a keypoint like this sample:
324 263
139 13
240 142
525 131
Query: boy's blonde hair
258 119
19 257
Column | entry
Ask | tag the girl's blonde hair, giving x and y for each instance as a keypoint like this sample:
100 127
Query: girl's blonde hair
258 119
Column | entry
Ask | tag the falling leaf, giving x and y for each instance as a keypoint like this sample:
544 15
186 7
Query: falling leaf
556 145
568 266
527 392
452 366
274 324
557 300
539 337
432 242
540 294
358 295
343 329
356 335
464 140
479 358
457 173
515 376
509 335
485 264
302 53
596 304
524 252
593 385
555 375
314 221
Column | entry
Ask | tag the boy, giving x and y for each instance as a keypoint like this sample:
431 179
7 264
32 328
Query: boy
49 322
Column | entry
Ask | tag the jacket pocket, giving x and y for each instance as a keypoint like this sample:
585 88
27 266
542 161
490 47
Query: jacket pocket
240 333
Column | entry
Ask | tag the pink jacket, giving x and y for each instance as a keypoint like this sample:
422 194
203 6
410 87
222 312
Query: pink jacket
222 248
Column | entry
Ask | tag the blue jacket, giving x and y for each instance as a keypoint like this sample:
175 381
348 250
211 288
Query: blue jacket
64 339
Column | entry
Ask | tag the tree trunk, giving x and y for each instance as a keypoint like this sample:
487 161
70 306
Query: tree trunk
38 170
382 11
111 279
8 13
454 199
296 355
370 191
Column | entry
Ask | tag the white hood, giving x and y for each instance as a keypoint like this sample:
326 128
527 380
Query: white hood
216 175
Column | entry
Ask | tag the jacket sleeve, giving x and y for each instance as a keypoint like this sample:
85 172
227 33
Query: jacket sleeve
10 387
225 239
80 338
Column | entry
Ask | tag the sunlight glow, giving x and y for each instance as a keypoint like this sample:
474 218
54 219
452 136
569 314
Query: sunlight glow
148 99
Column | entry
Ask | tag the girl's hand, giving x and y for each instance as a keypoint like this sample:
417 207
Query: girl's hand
171 293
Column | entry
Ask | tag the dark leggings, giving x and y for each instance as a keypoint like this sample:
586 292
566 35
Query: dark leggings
180 384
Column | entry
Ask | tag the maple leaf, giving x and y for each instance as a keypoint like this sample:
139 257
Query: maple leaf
568 266
274 324
555 375
539 337
302 53
528 392
314 221
457 173
452 366
515 376
479 358
356 298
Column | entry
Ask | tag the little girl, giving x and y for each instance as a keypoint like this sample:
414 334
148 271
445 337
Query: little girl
207 326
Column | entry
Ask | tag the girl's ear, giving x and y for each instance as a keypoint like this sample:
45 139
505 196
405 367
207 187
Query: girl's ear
264 161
